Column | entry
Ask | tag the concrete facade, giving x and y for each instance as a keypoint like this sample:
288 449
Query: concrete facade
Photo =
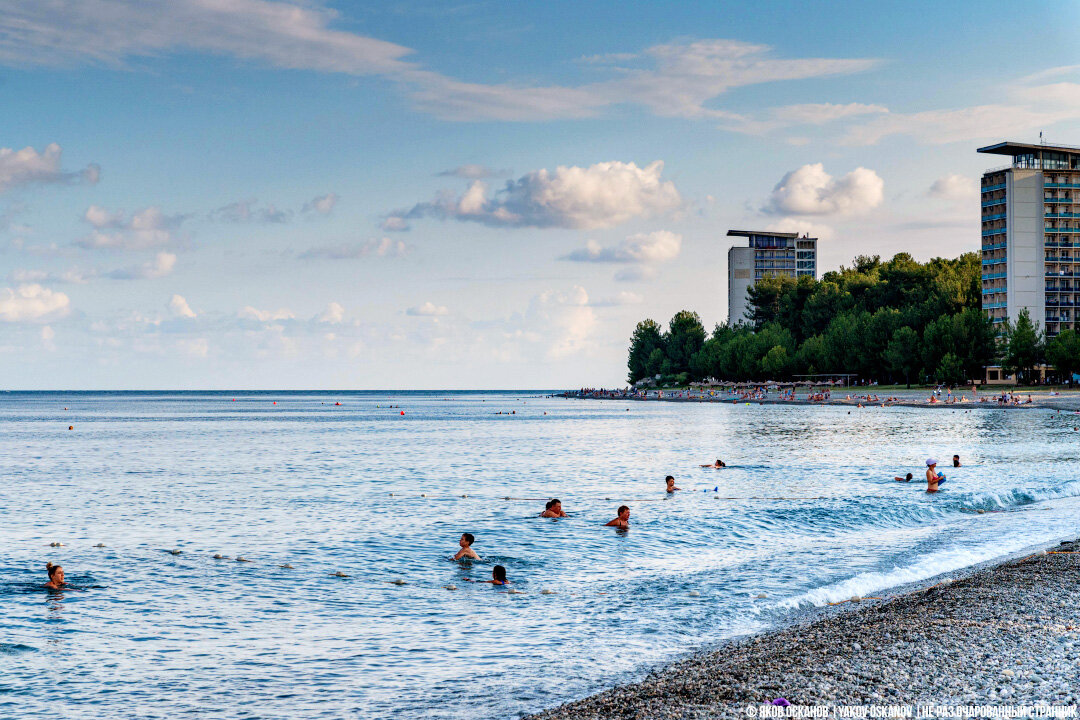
768 254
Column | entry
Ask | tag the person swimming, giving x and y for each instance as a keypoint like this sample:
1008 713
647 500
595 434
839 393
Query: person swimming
498 577
718 464
466 550
956 461
933 477
622 521
553 509
907 478
671 484
56 576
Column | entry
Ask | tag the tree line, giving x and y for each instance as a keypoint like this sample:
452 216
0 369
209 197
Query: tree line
893 321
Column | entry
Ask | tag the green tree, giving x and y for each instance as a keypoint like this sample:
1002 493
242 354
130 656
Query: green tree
902 354
643 342
685 336
1022 347
1063 352
951 370
776 363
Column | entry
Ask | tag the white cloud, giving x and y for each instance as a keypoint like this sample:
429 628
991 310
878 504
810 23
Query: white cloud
147 228
394 224
322 204
48 335
250 313
801 226
954 187
32 303
162 265
788 116
619 299
28 166
108 32
637 273
599 196
194 347
333 314
427 309
473 172
179 307
75 276
247 211
812 191
682 81
565 320
655 247
377 247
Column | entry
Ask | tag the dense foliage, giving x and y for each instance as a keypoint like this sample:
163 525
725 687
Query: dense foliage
894 321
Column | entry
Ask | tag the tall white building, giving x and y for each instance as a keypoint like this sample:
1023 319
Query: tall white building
769 254
1031 235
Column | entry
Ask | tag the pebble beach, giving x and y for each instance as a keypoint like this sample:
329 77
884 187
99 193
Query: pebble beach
1006 634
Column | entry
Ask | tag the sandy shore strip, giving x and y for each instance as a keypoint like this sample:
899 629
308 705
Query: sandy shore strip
1007 634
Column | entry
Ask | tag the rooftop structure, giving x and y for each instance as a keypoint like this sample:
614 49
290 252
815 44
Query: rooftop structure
769 254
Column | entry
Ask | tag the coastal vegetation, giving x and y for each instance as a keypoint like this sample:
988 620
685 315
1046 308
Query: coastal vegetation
895 321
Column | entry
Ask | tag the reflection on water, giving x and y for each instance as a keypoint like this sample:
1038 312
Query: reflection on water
807 512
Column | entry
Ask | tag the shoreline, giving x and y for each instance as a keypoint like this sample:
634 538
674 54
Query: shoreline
1002 632
1064 402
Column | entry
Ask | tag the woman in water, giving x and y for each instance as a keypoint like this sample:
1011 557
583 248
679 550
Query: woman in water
56 576
498 577
718 464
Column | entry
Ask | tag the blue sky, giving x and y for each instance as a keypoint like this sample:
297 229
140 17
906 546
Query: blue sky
251 194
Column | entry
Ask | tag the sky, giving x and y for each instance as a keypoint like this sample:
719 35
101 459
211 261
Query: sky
245 194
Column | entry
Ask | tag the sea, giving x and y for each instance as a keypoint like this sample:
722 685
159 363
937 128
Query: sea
346 507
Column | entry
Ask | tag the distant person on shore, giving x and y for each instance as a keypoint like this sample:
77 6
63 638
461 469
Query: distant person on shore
498 577
56 576
553 509
466 550
622 521
933 477
718 464
907 478
671 484
956 461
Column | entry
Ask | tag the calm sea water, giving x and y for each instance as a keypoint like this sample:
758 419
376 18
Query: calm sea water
329 489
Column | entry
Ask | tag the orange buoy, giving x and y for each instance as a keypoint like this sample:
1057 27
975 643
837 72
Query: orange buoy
275 402
402 412
71 427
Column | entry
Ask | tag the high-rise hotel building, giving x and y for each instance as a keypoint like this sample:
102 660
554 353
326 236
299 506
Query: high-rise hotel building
1031 235
773 254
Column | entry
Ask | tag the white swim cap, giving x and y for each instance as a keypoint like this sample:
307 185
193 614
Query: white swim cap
930 461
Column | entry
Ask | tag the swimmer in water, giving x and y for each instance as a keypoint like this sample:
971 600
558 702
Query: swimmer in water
466 550
498 577
553 509
56 576
933 477
671 484
622 521
718 464
904 479
956 461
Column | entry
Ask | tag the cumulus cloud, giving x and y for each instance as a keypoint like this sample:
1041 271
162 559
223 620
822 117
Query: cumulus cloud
29 167
146 228
599 196
179 307
427 309
812 191
250 313
161 265
321 205
376 247
32 303
954 187
655 247
333 314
